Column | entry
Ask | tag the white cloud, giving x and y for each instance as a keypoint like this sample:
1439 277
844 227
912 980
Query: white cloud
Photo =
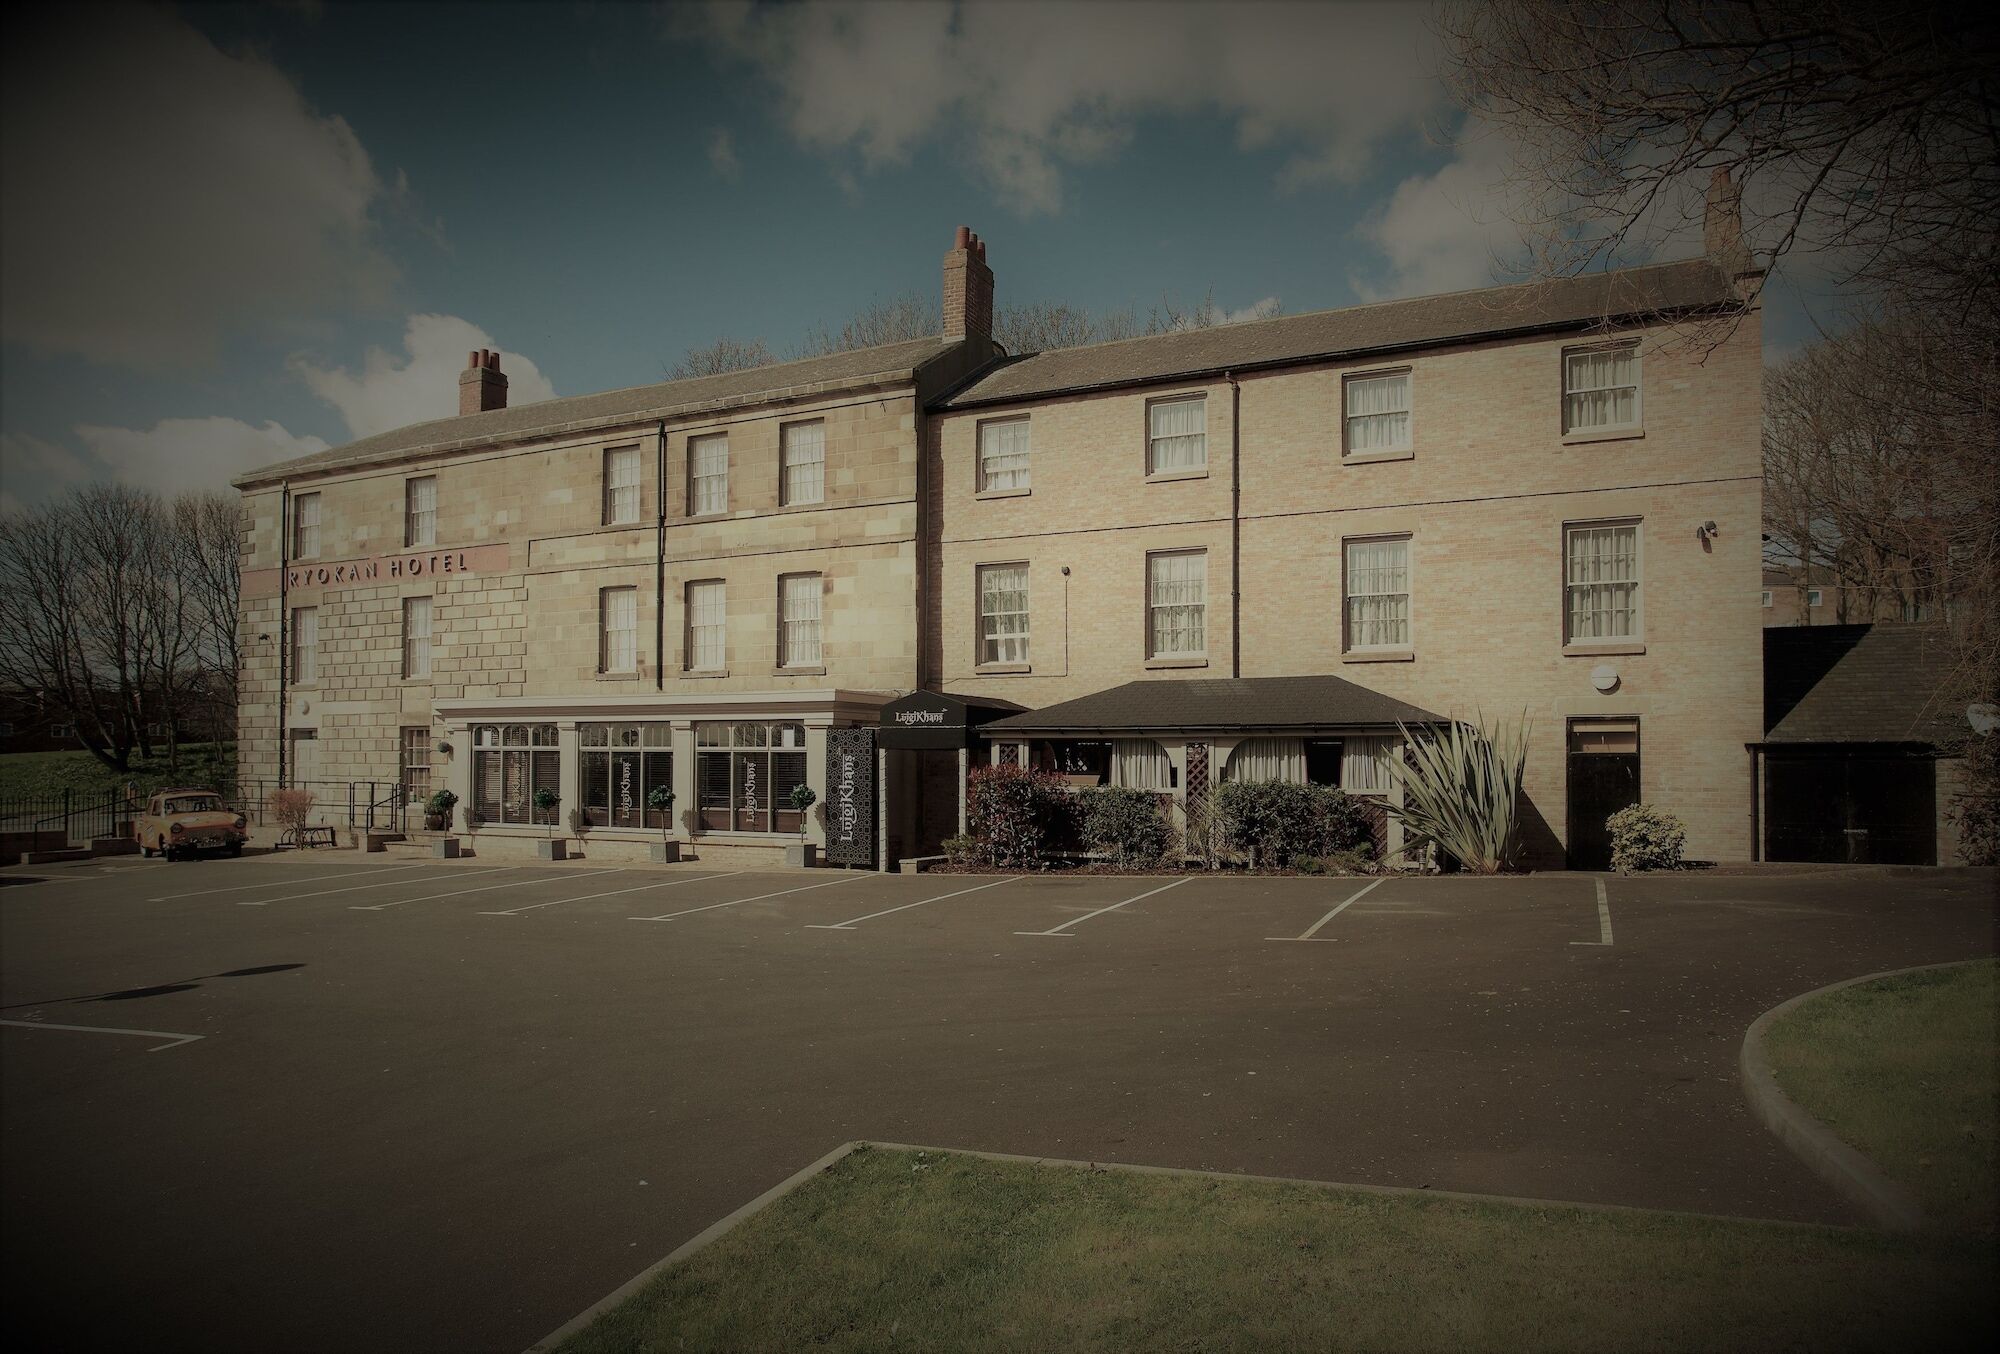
395 390
160 194
722 155
1451 230
1028 89
173 456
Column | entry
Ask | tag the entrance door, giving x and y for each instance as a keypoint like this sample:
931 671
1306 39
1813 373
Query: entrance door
1603 778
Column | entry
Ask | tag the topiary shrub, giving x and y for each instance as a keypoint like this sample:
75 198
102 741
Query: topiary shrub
1126 825
1019 817
1277 822
1645 838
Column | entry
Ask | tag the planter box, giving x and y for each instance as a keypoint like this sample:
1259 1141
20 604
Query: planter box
666 853
552 849
802 855
445 848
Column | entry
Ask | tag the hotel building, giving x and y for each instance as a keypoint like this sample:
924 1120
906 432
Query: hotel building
1248 551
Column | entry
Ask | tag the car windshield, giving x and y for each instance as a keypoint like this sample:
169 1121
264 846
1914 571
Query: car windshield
193 804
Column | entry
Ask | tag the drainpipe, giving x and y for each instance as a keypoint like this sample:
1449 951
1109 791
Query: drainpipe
1235 526
284 618
660 566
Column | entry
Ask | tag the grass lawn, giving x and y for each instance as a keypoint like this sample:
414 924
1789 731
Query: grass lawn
50 773
1904 1071
892 1250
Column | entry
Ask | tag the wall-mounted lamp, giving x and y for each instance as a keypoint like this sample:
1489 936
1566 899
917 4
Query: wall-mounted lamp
1706 532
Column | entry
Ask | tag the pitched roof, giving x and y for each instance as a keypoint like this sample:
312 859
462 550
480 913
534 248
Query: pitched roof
576 413
1217 703
1858 684
1422 321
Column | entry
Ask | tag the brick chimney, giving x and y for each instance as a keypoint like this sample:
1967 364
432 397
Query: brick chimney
1722 226
968 289
480 385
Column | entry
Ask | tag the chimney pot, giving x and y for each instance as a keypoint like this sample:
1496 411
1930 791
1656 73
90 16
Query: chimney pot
968 290
481 386
471 360
960 240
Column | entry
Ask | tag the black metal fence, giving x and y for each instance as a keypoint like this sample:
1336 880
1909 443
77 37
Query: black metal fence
78 814
362 805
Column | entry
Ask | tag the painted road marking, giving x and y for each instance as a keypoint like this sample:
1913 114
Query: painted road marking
176 1039
476 888
613 893
804 888
1313 930
1603 917
1078 921
853 922
294 897
284 883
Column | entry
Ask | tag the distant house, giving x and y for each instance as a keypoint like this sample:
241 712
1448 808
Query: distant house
1862 755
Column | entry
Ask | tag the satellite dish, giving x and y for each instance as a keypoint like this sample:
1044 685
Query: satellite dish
1605 678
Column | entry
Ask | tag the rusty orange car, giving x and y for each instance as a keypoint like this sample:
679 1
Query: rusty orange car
187 822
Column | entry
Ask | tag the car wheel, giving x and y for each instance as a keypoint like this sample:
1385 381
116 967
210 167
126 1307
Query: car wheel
145 850
236 848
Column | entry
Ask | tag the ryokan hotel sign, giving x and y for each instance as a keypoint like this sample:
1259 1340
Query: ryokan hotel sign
405 566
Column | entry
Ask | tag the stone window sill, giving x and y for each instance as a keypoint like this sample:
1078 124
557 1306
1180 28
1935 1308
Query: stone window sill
1178 661
1002 493
1002 669
1171 476
1379 656
1603 650
1604 435
797 671
617 676
1373 457
695 674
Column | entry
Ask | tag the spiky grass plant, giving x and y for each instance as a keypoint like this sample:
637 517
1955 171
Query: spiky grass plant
1461 789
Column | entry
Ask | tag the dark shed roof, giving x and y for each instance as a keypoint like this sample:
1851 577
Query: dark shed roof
572 413
1858 684
1217 703
1423 321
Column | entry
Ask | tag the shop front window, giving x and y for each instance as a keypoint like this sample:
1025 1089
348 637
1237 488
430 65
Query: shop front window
744 775
510 762
619 766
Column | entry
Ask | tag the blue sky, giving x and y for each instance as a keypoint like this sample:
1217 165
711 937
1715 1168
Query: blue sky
235 233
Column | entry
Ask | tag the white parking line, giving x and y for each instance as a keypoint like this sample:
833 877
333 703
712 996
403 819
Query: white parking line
476 888
1061 930
322 893
803 888
1603 917
177 1039
852 922
613 893
283 883
1313 930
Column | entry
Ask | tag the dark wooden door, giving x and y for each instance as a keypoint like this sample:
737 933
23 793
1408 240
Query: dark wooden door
1603 778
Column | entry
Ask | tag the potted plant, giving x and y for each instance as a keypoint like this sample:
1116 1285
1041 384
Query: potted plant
546 801
660 799
437 811
805 853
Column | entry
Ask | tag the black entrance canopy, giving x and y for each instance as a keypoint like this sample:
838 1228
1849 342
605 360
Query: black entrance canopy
932 719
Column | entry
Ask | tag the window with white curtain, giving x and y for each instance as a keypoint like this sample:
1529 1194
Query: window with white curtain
798 620
416 636
621 485
707 620
1141 764
1003 455
305 526
1364 765
1377 580
1177 603
1601 388
708 474
1177 434
618 609
1003 613
1378 412
802 463
420 512
1602 572
1257 760
305 644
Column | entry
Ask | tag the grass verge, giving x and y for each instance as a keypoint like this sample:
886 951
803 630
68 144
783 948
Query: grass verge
894 1250
50 773
1904 1071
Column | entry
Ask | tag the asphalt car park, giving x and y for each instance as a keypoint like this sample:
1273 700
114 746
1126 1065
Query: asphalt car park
336 1103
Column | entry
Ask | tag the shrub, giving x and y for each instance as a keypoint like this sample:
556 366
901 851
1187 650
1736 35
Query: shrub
1645 838
441 803
1019 817
1125 824
962 850
1277 822
293 810
1462 791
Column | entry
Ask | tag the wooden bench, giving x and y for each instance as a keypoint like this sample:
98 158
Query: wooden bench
311 836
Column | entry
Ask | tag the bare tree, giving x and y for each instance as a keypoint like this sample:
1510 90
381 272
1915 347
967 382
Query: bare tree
1864 130
207 547
722 356
900 319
